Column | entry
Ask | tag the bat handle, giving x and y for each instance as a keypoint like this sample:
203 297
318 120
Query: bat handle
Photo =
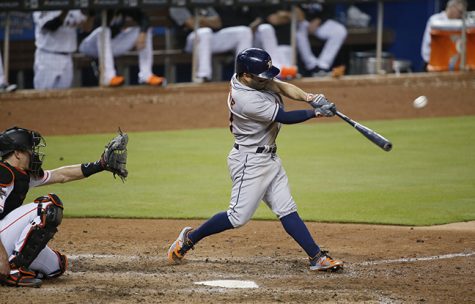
345 118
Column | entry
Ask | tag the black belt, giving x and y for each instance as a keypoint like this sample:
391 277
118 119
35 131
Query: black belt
57 53
261 149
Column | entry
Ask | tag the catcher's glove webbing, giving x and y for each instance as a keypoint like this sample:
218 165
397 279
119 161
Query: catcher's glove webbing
114 158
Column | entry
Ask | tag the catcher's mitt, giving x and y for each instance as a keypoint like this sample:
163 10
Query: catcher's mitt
114 157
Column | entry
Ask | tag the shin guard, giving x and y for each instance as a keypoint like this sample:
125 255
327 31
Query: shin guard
50 210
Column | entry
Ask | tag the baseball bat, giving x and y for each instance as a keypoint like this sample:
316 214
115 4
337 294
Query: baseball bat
377 139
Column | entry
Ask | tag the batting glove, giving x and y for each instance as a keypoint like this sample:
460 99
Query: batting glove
327 110
319 100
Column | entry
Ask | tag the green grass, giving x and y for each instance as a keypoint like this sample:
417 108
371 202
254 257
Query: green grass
336 175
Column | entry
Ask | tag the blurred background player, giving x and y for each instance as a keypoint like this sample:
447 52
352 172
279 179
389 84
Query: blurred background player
256 114
315 20
273 35
214 35
453 10
25 230
121 37
4 86
56 41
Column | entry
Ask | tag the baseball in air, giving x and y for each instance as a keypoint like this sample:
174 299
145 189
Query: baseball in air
420 102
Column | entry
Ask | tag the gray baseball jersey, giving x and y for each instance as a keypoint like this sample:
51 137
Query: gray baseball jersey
256 170
252 115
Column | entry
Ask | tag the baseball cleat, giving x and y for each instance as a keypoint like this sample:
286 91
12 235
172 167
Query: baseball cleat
201 79
116 81
7 88
288 72
323 262
21 278
155 80
178 249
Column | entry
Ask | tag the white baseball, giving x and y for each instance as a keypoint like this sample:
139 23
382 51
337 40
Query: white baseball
420 102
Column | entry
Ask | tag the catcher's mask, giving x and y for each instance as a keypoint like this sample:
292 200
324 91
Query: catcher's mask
19 139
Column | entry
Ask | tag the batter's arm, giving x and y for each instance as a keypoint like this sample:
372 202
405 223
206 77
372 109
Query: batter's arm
289 90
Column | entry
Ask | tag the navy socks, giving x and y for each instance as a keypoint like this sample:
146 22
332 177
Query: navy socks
218 223
292 223
296 228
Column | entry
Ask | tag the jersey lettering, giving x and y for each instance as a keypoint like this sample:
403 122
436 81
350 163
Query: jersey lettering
231 117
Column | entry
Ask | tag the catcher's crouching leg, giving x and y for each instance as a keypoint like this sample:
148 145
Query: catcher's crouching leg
50 211
63 266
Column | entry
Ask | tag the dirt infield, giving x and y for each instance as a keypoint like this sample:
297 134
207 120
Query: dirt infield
124 261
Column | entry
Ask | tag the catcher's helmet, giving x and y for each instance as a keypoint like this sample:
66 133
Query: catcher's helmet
256 62
23 140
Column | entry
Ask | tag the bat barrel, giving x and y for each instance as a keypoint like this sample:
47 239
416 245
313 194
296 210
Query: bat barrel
387 146
374 137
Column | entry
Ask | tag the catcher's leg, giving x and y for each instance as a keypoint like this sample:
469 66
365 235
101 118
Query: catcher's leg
49 264
32 243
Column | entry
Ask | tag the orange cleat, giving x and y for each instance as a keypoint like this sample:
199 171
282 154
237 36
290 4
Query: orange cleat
116 81
20 277
323 262
155 80
178 249
288 72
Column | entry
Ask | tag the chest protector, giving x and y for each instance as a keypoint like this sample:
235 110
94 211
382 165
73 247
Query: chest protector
20 180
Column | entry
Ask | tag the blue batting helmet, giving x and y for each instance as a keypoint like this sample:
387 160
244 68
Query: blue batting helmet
256 62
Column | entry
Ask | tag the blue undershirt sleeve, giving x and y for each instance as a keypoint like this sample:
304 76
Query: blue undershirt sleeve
293 117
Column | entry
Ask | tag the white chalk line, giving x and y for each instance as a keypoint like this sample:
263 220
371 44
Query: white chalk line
377 262
412 260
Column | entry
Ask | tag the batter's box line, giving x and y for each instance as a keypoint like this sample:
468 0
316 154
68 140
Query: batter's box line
412 260
377 262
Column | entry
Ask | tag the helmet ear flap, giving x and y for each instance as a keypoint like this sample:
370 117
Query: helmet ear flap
6 144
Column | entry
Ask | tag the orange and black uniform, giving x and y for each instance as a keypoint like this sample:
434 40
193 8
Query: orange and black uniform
21 184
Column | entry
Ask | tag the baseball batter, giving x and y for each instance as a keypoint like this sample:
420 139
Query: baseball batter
25 230
256 115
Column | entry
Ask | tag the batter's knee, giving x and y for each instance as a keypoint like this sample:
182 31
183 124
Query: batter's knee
237 220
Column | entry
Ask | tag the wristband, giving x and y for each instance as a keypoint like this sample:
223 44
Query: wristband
89 169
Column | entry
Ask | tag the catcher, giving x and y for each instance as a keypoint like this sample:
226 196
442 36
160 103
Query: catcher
25 258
